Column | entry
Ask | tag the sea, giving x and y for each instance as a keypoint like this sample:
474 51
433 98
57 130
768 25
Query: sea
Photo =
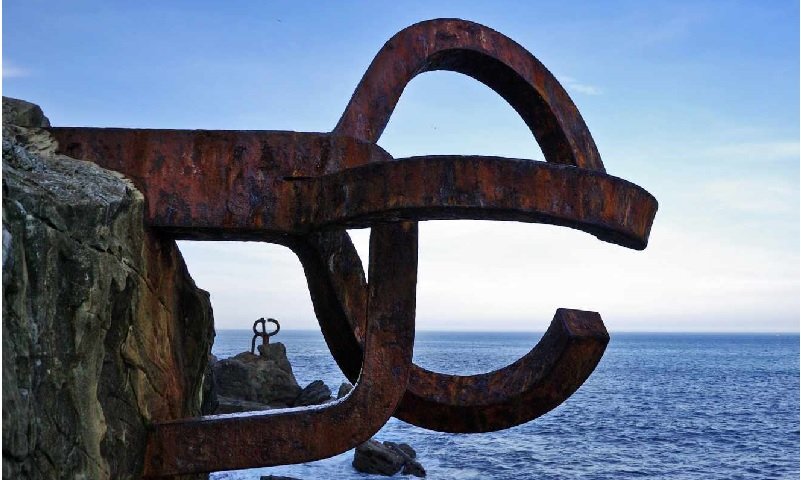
667 406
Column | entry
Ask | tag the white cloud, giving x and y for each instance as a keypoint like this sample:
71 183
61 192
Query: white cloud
585 89
11 70
574 85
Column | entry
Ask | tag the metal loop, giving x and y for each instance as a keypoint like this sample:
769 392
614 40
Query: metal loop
263 334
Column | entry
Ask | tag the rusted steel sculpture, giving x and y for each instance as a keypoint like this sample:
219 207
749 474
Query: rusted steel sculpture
302 190
263 333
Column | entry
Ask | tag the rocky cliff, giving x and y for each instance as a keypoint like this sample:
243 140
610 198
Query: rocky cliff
104 330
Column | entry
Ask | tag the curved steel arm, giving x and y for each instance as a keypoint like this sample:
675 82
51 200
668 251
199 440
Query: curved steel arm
259 439
491 58
520 392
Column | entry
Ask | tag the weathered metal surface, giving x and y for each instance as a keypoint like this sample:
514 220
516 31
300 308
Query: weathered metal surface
219 185
555 368
263 333
522 391
303 189
230 190
501 190
491 58
258 439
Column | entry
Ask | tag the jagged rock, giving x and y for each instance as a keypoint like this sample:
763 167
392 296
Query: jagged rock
276 352
413 468
235 405
265 379
410 465
374 457
104 330
403 448
344 389
387 459
23 114
277 477
315 393
210 398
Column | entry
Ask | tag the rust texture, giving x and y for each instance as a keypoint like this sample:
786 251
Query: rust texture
263 333
303 189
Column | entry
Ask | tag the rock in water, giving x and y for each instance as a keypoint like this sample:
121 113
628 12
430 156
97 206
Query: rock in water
403 448
265 379
104 330
374 457
387 459
344 389
410 465
235 405
276 353
315 393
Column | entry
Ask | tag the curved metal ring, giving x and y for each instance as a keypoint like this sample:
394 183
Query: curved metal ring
299 435
261 322
277 327
336 280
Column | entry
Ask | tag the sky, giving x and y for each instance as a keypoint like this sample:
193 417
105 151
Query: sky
697 102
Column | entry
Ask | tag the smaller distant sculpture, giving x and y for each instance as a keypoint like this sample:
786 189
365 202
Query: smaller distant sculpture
264 334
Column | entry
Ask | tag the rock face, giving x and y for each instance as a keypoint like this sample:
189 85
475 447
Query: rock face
266 379
248 382
235 405
211 401
410 465
373 457
344 389
315 393
387 459
23 114
104 330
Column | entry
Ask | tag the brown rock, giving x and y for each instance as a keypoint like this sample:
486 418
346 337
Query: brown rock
104 330
410 465
235 405
276 352
374 457
23 114
344 389
265 379
403 448
315 393
210 400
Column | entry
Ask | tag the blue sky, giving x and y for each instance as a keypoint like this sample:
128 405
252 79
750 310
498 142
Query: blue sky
695 101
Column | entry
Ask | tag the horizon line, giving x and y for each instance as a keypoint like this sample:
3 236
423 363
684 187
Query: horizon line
699 332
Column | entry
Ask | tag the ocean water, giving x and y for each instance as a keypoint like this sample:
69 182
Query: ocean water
674 406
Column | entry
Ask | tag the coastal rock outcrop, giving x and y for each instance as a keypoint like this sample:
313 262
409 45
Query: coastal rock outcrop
210 402
410 464
387 459
265 379
373 457
104 330
315 393
344 389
